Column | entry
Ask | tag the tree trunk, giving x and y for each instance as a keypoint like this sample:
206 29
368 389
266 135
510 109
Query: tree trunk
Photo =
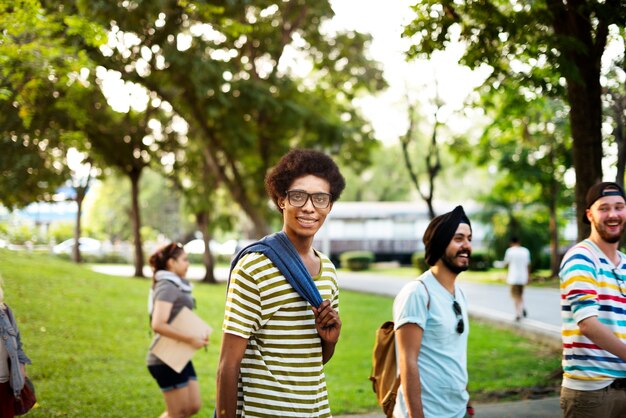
134 176
553 230
585 119
80 195
202 221
573 20
620 137
260 228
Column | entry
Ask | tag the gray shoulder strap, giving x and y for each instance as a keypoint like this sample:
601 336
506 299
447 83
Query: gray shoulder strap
427 294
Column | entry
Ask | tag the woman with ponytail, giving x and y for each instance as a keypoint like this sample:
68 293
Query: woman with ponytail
171 292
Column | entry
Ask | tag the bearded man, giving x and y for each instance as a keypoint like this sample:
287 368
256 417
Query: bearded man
593 305
431 322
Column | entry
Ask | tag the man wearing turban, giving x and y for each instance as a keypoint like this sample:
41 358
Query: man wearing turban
431 322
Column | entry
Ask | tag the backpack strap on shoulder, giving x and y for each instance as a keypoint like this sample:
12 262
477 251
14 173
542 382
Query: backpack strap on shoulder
427 294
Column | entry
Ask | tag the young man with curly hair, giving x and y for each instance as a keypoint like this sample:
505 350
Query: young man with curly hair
274 342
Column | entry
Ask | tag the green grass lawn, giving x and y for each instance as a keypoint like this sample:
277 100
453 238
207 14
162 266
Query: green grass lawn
87 335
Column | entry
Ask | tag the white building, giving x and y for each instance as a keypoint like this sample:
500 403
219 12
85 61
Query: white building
391 230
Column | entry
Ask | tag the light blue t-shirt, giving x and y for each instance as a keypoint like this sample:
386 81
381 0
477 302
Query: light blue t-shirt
442 360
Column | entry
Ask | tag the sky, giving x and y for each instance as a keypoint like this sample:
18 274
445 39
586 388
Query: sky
384 20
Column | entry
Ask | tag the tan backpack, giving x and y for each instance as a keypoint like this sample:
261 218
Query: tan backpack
385 377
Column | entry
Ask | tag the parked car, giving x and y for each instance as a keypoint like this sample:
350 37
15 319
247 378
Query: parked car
196 246
86 246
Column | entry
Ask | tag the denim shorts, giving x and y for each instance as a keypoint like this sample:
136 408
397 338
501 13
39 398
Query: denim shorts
168 379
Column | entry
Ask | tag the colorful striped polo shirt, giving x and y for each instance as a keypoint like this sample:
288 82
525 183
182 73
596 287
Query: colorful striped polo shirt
282 372
591 286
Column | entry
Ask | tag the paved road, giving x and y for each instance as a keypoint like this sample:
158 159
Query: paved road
487 301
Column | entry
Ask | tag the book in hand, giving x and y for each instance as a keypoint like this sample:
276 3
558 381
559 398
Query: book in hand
175 353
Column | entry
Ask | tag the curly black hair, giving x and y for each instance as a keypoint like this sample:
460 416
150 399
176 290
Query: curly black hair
299 163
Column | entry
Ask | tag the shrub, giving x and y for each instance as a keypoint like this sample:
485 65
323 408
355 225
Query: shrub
541 261
61 230
356 260
217 258
21 234
110 258
480 261
418 260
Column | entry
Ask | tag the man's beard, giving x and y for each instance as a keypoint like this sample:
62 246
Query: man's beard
606 237
449 263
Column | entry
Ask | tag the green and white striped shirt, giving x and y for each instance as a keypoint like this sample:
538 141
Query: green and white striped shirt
281 372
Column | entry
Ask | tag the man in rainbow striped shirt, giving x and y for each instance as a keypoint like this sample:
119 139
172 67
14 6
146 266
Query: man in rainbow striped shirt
593 308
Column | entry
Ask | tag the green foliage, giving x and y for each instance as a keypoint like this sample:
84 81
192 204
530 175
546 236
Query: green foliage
244 110
98 325
107 207
218 258
20 234
60 231
356 260
519 43
542 51
480 261
418 260
528 141
381 182
529 224
39 72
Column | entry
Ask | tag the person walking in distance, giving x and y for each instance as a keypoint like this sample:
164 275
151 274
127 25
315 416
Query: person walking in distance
517 259
275 344
593 305
431 322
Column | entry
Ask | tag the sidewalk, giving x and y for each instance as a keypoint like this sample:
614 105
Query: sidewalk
541 408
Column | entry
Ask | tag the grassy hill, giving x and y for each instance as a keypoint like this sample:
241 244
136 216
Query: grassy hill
88 334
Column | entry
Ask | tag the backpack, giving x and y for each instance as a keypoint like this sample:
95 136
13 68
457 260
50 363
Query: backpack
384 376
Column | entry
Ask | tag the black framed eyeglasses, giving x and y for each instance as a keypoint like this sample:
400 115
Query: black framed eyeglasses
620 281
298 198
460 326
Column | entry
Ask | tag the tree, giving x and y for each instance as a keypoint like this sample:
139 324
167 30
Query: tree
107 214
528 143
38 71
381 182
127 142
82 175
614 94
431 158
225 68
203 198
527 44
